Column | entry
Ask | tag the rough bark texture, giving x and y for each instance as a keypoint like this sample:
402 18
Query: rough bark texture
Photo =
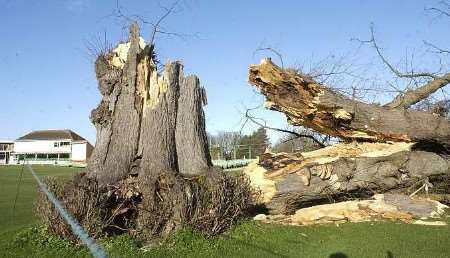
344 171
151 170
192 144
401 147
147 124
151 127
308 103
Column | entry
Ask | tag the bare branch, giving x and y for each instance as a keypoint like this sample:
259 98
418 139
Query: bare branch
409 75
436 49
263 124
412 97
441 11
156 26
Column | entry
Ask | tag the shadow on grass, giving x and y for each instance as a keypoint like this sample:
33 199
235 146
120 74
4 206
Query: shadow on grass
342 255
338 255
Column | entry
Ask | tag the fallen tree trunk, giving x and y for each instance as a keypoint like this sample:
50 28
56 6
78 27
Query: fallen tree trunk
308 103
387 149
344 171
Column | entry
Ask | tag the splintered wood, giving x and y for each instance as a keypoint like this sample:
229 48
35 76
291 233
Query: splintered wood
339 172
380 207
308 103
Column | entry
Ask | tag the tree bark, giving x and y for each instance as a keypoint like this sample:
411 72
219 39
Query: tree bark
150 127
343 171
191 139
151 171
146 124
412 97
388 148
308 103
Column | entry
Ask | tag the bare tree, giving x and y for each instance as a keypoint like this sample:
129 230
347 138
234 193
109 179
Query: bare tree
406 99
226 142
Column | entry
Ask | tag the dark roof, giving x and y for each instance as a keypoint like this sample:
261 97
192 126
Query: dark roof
52 135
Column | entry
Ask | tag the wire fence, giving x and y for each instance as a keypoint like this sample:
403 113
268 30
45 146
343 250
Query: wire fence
96 250
236 152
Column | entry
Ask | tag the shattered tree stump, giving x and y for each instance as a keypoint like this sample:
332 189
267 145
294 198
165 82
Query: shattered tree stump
151 171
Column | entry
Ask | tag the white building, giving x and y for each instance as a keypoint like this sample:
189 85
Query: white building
59 147
6 147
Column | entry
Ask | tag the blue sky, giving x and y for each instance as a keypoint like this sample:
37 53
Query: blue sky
47 75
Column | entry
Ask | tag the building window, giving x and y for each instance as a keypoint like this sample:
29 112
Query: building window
30 156
52 156
64 155
61 144
2 156
42 156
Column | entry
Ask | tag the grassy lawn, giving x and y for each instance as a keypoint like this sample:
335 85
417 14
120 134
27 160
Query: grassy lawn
20 237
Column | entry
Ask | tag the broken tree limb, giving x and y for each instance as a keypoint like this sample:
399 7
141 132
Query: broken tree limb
411 97
342 171
308 103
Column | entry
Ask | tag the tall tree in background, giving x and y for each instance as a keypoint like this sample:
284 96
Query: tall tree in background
253 145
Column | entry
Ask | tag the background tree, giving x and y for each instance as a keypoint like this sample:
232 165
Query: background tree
224 144
290 143
251 146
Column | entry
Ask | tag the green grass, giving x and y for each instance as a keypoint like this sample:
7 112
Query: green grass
21 236
9 182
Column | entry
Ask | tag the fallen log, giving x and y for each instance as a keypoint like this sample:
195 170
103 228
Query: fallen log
381 207
345 171
308 103
386 148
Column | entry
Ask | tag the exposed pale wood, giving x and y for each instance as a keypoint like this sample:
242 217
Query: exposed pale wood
147 124
151 127
308 103
345 170
381 206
